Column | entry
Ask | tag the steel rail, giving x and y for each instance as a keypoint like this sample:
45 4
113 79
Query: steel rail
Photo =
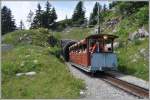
126 86
123 85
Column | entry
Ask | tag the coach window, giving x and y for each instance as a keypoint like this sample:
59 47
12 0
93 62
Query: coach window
108 45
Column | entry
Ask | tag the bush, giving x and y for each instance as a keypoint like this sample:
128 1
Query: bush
137 42
122 32
55 51
141 17
53 41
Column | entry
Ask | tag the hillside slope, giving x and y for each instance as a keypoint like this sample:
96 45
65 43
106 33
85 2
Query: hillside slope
52 78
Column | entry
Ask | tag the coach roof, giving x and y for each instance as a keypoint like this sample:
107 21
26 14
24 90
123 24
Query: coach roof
102 36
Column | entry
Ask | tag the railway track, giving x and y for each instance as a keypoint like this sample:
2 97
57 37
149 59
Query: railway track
128 87
123 85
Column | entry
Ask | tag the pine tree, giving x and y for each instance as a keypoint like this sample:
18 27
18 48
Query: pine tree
38 19
104 7
47 16
8 23
30 18
54 16
21 26
94 15
78 16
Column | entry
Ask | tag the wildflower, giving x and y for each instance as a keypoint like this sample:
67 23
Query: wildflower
22 64
35 61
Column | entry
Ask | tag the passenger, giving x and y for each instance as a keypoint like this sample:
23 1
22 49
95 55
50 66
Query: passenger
85 51
80 51
94 48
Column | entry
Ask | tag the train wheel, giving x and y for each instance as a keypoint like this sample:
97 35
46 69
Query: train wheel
92 74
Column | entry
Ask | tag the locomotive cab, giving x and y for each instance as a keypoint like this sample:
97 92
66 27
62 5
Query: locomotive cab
101 52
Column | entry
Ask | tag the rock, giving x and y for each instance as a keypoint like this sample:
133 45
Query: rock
30 73
114 30
116 44
22 64
142 50
81 92
20 74
20 38
112 22
134 60
25 35
145 53
141 39
86 87
140 33
132 36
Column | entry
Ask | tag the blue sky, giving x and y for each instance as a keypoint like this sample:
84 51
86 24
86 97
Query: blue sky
20 9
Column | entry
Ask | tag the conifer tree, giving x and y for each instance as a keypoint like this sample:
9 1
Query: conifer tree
94 15
47 16
104 7
54 16
30 18
37 21
21 26
8 23
78 16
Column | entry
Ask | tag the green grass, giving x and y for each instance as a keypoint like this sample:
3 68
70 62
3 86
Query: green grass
75 33
22 37
139 68
52 80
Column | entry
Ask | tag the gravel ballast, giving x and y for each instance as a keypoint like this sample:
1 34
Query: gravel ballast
96 88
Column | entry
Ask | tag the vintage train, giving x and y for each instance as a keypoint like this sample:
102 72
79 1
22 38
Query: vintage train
94 53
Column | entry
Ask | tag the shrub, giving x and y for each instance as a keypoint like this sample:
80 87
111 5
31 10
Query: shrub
137 42
55 51
141 17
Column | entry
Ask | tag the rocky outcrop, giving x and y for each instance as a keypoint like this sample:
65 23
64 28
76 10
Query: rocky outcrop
140 33
111 23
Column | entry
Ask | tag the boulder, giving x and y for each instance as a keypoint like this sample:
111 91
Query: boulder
145 53
30 73
20 74
140 33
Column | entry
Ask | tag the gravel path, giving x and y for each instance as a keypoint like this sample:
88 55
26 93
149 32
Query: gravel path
99 89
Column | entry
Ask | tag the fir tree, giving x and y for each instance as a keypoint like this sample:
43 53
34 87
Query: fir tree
30 18
104 7
37 21
8 23
47 20
54 16
94 15
21 26
78 16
